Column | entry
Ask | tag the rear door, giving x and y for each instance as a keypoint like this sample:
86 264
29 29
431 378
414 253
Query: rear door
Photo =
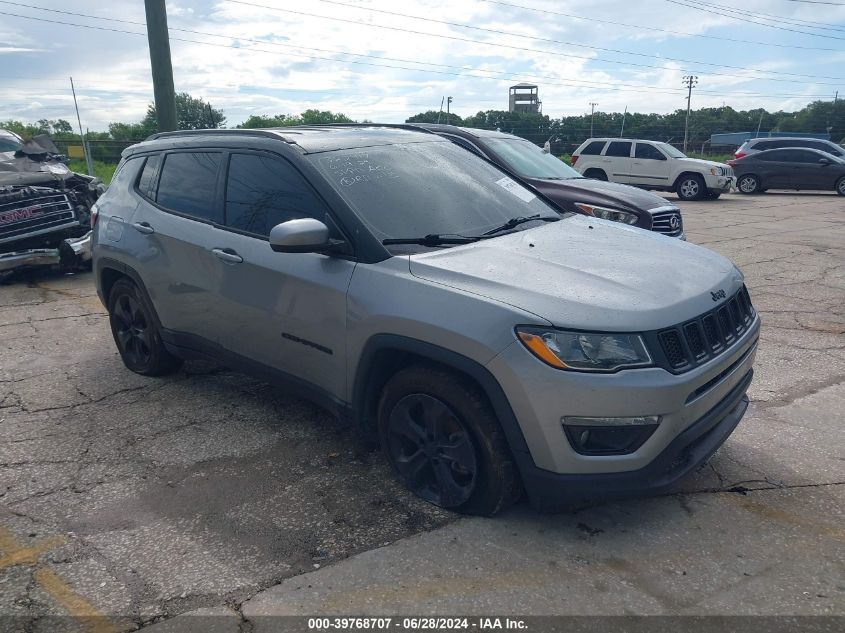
285 310
172 231
775 169
649 167
616 161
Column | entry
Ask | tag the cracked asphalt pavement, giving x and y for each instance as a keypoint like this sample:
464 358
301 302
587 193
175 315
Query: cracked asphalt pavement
208 493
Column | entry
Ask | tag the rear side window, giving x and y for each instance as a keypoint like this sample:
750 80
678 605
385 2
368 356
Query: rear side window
763 145
125 173
777 155
147 179
619 148
593 149
648 152
263 191
188 185
801 156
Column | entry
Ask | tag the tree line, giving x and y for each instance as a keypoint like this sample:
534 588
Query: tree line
564 133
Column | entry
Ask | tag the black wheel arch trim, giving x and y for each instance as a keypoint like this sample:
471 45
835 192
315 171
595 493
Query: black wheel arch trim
361 392
103 263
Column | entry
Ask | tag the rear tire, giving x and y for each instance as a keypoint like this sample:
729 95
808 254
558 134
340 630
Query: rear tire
133 326
445 444
595 174
748 184
840 186
691 187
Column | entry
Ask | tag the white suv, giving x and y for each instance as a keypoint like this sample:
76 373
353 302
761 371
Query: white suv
652 165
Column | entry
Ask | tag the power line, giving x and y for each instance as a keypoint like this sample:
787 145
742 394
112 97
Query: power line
835 4
523 36
567 83
654 28
822 26
749 18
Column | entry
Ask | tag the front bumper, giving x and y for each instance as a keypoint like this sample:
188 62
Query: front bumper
721 184
684 454
72 251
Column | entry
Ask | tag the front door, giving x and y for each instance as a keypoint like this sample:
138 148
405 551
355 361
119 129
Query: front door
286 311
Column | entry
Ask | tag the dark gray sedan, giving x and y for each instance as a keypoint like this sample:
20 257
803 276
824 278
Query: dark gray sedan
795 168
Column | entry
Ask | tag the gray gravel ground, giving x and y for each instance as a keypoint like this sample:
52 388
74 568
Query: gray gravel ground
145 498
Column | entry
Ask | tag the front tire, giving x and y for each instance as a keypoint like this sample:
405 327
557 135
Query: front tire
135 333
748 184
840 186
443 439
691 187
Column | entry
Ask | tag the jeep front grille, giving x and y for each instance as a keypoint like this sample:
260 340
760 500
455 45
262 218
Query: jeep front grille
26 215
694 342
667 222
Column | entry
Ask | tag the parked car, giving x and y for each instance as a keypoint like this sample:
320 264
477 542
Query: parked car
792 168
652 165
45 209
563 185
490 342
761 144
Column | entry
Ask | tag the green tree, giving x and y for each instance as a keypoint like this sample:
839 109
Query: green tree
192 113
309 117
435 116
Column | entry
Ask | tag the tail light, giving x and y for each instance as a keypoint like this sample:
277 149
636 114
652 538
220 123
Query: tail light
573 159
740 154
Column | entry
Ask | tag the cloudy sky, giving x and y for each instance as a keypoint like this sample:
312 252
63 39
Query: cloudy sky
384 60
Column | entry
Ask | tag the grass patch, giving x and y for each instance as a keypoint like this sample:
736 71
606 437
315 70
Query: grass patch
103 171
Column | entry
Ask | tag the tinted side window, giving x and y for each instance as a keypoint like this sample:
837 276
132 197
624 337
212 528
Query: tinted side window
779 155
188 184
125 173
147 180
763 145
648 152
619 148
262 191
800 156
593 149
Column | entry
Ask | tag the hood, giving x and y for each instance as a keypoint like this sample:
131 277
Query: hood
598 192
584 273
699 162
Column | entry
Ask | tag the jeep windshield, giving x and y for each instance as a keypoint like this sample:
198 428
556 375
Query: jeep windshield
414 190
670 151
529 161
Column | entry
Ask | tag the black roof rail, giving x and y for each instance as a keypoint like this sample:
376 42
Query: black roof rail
277 131
232 131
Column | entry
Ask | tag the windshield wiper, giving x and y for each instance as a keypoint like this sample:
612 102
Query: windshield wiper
433 239
514 222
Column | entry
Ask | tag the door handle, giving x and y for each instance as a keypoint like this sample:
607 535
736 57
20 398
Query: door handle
143 227
228 256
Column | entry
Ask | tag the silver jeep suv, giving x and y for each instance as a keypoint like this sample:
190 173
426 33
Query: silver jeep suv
492 344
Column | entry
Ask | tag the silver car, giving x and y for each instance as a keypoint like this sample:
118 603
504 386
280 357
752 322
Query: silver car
491 343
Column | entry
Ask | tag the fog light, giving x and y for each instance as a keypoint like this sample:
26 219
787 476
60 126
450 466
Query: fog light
609 436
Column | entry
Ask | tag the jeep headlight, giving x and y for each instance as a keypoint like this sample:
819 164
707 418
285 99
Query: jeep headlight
584 351
614 215
717 171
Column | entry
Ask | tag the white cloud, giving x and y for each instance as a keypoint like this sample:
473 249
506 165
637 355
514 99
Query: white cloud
284 74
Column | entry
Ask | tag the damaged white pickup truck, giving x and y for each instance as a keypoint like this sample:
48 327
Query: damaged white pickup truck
45 208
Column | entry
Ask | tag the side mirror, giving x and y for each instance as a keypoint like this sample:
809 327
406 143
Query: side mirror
305 235
824 161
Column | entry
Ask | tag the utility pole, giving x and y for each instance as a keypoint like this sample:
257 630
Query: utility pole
85 151
593 105
448 103
159 39
441 109
624 114
689 81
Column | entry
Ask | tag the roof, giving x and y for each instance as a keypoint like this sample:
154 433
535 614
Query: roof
442 128
738 138
315 138
524 85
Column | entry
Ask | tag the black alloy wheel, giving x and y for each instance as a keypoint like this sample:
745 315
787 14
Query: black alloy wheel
432 450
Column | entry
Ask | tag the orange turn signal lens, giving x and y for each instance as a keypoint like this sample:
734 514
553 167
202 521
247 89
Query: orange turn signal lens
539 349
